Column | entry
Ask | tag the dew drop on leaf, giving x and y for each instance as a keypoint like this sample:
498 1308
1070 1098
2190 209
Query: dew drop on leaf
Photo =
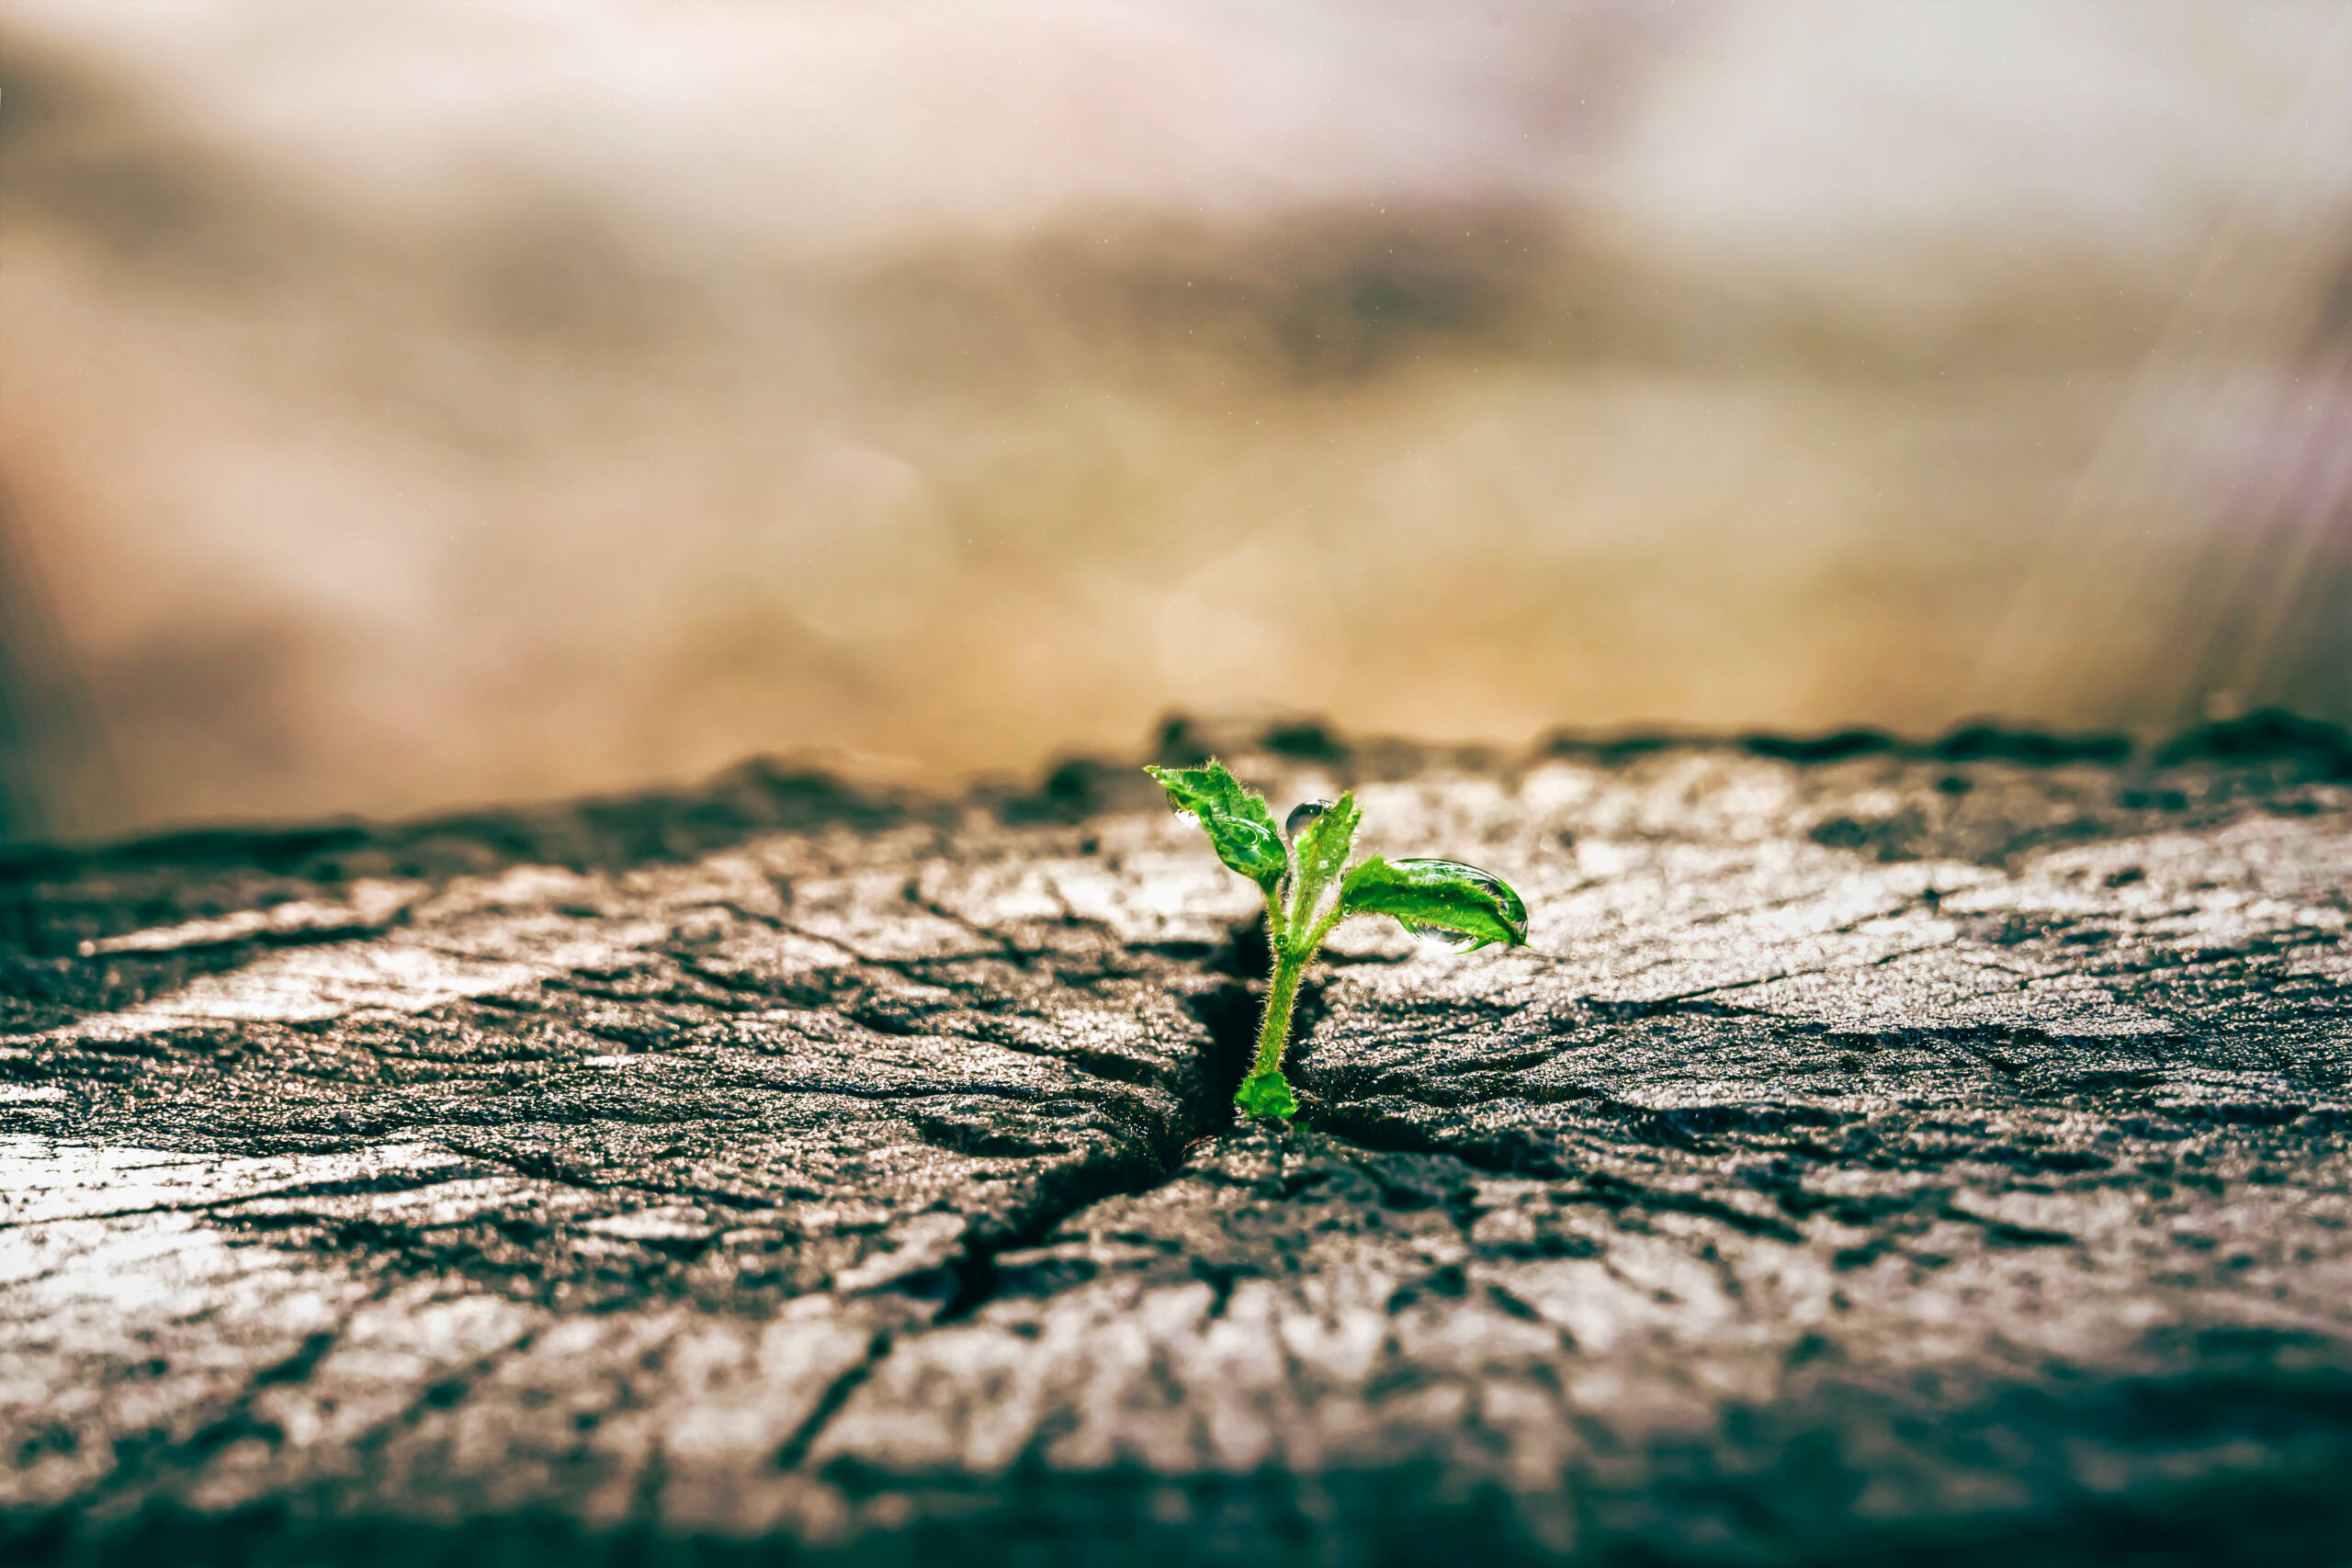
1452 940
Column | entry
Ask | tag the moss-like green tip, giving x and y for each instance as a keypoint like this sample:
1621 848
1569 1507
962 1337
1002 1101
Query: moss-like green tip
1266 1094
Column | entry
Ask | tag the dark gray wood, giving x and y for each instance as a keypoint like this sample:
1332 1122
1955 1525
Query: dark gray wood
1883 1154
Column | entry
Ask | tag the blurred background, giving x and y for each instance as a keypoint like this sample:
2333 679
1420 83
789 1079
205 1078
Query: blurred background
412 404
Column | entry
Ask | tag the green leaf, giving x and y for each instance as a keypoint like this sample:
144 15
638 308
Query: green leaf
1267 1094
1240 825
1322 847
1468 907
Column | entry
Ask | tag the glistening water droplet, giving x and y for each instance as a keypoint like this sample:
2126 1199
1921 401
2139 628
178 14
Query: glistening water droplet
1456 941
1306 811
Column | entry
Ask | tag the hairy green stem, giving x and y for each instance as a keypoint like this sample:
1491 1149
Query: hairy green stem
1275 1033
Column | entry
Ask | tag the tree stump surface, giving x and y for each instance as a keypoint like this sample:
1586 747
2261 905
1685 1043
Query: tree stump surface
1881 1153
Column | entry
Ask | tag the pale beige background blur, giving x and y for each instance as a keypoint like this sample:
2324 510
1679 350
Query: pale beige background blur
409 404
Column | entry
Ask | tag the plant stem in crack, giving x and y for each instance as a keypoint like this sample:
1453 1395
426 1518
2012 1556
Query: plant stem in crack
1264 1092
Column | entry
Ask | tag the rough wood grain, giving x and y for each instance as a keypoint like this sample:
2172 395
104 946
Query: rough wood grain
1881 1153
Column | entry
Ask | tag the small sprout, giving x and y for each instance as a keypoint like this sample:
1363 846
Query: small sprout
1300 871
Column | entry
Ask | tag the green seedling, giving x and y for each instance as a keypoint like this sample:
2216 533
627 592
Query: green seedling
1298 867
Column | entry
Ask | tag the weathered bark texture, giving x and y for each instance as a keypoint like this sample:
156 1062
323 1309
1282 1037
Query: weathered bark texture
1931 1156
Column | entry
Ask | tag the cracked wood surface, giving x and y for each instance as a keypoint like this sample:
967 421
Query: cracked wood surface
1875 1155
